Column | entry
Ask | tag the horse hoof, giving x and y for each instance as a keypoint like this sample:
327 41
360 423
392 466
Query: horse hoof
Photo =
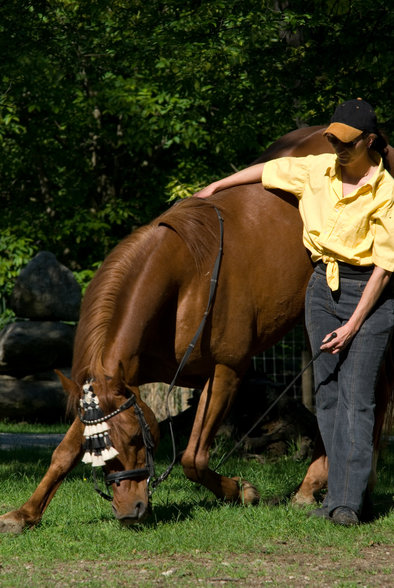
302 500
11 524
248 494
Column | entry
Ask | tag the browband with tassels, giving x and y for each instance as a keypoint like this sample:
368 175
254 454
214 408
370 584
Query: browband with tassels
98 446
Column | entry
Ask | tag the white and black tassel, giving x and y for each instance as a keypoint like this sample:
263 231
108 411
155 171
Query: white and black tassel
98 446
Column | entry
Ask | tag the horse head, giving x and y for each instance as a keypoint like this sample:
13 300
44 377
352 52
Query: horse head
121 435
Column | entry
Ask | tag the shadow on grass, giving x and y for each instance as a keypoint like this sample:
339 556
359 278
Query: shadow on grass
24 462
383 504
162 514
32 463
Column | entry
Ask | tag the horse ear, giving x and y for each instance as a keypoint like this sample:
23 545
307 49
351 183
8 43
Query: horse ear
68 385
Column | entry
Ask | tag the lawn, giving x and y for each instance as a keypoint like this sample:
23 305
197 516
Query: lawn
191 538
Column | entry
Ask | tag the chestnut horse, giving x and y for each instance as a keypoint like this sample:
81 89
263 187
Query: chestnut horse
139 315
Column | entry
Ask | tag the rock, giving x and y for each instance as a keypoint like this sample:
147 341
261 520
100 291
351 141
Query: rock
28 347
46 290
32 400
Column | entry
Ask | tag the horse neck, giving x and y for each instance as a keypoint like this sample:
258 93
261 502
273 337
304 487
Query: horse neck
145 295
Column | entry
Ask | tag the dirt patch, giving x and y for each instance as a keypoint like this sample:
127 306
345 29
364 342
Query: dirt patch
372 567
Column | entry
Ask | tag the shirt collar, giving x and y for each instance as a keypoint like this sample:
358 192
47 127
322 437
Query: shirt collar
332 169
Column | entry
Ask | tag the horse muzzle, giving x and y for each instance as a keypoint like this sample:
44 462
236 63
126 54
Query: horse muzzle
133 514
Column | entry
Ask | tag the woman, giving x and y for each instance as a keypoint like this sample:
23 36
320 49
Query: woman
346 201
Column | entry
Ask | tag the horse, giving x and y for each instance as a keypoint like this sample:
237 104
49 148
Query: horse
139 315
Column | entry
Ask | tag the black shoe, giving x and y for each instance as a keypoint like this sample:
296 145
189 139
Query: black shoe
343 515
319 513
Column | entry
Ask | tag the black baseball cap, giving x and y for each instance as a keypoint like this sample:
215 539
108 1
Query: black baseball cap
352 118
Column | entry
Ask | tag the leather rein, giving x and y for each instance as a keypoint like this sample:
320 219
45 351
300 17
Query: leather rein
148 472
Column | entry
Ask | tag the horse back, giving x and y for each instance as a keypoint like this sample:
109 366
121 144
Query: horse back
263 275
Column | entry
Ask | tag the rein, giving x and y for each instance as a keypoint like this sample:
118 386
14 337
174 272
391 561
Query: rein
239 443
148 471
191 346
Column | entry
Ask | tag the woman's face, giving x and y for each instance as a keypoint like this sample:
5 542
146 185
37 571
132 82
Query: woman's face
349 153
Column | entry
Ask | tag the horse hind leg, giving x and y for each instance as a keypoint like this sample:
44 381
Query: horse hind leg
214 404
315 478
64 458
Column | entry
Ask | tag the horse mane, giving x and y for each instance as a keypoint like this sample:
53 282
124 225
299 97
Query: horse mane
197 225
194 221
99 303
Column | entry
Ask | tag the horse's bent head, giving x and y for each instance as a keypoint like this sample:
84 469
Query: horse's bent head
127 447
135 438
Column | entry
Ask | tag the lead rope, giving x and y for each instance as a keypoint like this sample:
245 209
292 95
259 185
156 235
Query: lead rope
212 291
314 358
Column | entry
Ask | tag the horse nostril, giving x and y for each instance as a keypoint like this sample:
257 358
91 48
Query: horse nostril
140 509
134 515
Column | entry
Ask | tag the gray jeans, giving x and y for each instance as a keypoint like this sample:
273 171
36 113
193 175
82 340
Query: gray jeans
345 383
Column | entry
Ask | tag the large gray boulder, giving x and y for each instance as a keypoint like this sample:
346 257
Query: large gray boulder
46 290
31 346
33 400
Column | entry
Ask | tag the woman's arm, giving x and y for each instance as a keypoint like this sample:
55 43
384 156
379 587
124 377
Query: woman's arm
249 175
375 286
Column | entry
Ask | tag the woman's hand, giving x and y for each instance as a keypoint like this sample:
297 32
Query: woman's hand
338 340
205 192
249 175
372 291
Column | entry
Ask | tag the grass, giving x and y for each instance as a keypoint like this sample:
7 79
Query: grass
190 537
32 428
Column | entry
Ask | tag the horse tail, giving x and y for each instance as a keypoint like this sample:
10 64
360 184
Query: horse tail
384 409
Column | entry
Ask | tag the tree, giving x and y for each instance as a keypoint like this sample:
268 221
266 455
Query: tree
109 108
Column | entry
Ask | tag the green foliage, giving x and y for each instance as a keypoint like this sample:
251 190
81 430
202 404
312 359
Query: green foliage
15 253
110 109
84 277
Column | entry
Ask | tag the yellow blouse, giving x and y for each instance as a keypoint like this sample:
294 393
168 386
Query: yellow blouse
356 229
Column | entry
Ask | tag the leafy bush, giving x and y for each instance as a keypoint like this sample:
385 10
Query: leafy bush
15 253
84 276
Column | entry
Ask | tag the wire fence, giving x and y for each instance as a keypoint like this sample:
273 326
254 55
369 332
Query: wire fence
282 362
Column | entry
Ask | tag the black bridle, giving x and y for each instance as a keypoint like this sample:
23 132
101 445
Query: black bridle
148 472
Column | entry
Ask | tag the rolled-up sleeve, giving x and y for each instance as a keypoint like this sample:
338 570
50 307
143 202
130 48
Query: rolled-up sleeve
383 243
286 173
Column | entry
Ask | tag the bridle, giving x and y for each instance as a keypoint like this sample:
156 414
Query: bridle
148 471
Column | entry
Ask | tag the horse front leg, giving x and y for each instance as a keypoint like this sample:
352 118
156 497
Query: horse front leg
215 402
64 458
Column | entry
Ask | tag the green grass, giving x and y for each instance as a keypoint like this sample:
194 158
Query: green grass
32 428
189 531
